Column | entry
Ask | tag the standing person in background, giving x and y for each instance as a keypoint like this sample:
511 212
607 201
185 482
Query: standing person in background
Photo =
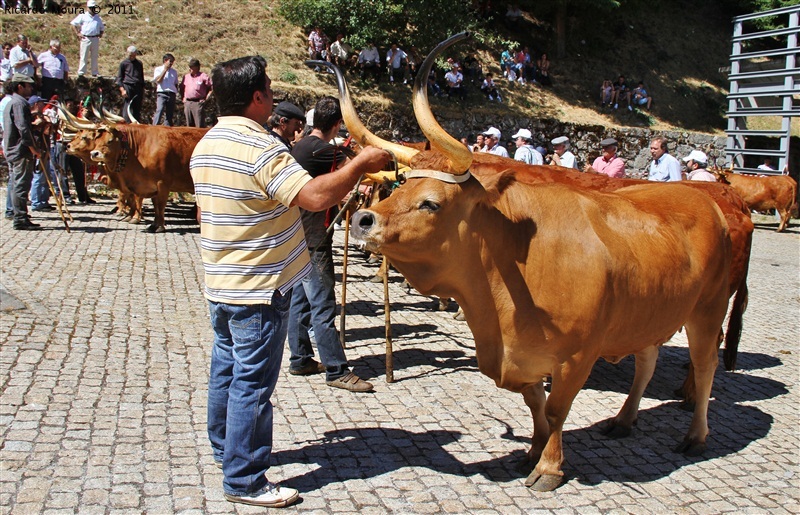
479 143
767 165
664 167
22 59
696 163
130 80
253 252
314 300
492 138
89 28
608 163
76 166
195 88
55 70
285 122
525 151
166 79
561 154
5 64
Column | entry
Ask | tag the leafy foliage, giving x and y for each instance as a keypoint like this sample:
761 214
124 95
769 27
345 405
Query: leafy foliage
419 22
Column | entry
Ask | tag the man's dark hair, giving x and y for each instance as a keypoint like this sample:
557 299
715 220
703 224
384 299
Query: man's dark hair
327 113
235 81
7 44
168 57
193 63
274 120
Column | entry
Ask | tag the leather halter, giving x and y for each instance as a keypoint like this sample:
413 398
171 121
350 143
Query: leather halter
123 156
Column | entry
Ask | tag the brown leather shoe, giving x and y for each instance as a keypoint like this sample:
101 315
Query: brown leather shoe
351 382
310 369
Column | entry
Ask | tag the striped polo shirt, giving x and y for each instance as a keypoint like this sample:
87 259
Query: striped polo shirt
251 242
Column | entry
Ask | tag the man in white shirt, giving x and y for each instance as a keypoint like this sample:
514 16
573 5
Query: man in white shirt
369 60
55 70
21 58
561 154
493 146
664 167
455 80
5 63
396 63
525 150
166 79
340 51
89 28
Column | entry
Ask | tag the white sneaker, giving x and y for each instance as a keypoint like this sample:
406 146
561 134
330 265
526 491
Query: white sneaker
271 496
630 108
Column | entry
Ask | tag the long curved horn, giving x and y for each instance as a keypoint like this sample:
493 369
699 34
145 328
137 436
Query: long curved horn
108 115
78 123
360 133
459 156
133 120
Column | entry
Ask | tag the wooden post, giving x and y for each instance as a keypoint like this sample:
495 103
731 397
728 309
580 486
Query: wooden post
388 324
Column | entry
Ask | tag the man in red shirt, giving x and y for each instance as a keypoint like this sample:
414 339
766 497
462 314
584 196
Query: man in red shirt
196 88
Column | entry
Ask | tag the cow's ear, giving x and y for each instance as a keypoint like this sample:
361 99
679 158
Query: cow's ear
506 194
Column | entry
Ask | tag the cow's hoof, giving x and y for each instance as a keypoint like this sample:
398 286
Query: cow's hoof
459 315
443 304
690 448
376 279
543 482
135 220
125 219
161 229
156 229
405 284
612 429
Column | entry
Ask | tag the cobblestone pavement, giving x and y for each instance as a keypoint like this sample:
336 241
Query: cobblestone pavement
103 389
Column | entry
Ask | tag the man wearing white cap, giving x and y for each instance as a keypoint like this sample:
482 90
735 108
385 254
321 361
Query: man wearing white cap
89 28
696 163
493 146
561 154
525 151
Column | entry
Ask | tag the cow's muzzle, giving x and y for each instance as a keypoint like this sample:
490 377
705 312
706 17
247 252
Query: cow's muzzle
96 155
363 228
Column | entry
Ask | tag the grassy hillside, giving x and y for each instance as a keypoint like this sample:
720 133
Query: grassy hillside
679 62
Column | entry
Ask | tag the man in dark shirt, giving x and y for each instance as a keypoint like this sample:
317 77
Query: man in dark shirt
285 122
20 149
130 80
314 300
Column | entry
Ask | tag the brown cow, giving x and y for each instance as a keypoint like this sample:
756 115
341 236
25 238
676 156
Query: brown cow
149 160
778 192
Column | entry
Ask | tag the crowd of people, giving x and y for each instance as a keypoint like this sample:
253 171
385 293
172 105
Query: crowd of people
612 93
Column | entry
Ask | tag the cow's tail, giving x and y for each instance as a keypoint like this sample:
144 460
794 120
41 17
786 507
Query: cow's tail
734 332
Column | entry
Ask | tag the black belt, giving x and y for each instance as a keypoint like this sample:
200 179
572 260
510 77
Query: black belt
194 99
92 36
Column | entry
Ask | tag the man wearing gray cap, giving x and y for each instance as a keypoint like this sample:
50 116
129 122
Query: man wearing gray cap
20 150
130 79
608 163
493 146
285 122
561 154
525 151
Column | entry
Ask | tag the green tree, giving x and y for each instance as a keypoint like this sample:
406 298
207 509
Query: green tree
420 22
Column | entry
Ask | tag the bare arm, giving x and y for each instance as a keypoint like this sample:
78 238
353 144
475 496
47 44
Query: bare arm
326 190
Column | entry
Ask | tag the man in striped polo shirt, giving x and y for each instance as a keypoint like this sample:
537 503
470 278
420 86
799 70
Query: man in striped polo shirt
249 190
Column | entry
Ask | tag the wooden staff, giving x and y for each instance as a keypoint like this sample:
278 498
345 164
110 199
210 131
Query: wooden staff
388 324
44 155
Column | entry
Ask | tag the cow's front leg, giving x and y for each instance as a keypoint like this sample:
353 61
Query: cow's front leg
136 215
160 206
568 379
621 425
535 399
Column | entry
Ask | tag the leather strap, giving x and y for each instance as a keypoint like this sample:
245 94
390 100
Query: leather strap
435 174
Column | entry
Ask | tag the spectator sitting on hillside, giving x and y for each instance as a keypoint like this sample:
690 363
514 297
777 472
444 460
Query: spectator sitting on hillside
606 93
455 83
433 86
340 52
519 65
529 68
414 60
369 61
513 14
543 70
317 43
641 97
507 61
621 90
512 77
489 89
472 68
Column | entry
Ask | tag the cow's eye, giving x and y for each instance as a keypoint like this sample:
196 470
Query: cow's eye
429 205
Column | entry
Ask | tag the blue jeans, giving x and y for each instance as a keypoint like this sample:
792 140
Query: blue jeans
314 306
245 363
40 191
165 104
